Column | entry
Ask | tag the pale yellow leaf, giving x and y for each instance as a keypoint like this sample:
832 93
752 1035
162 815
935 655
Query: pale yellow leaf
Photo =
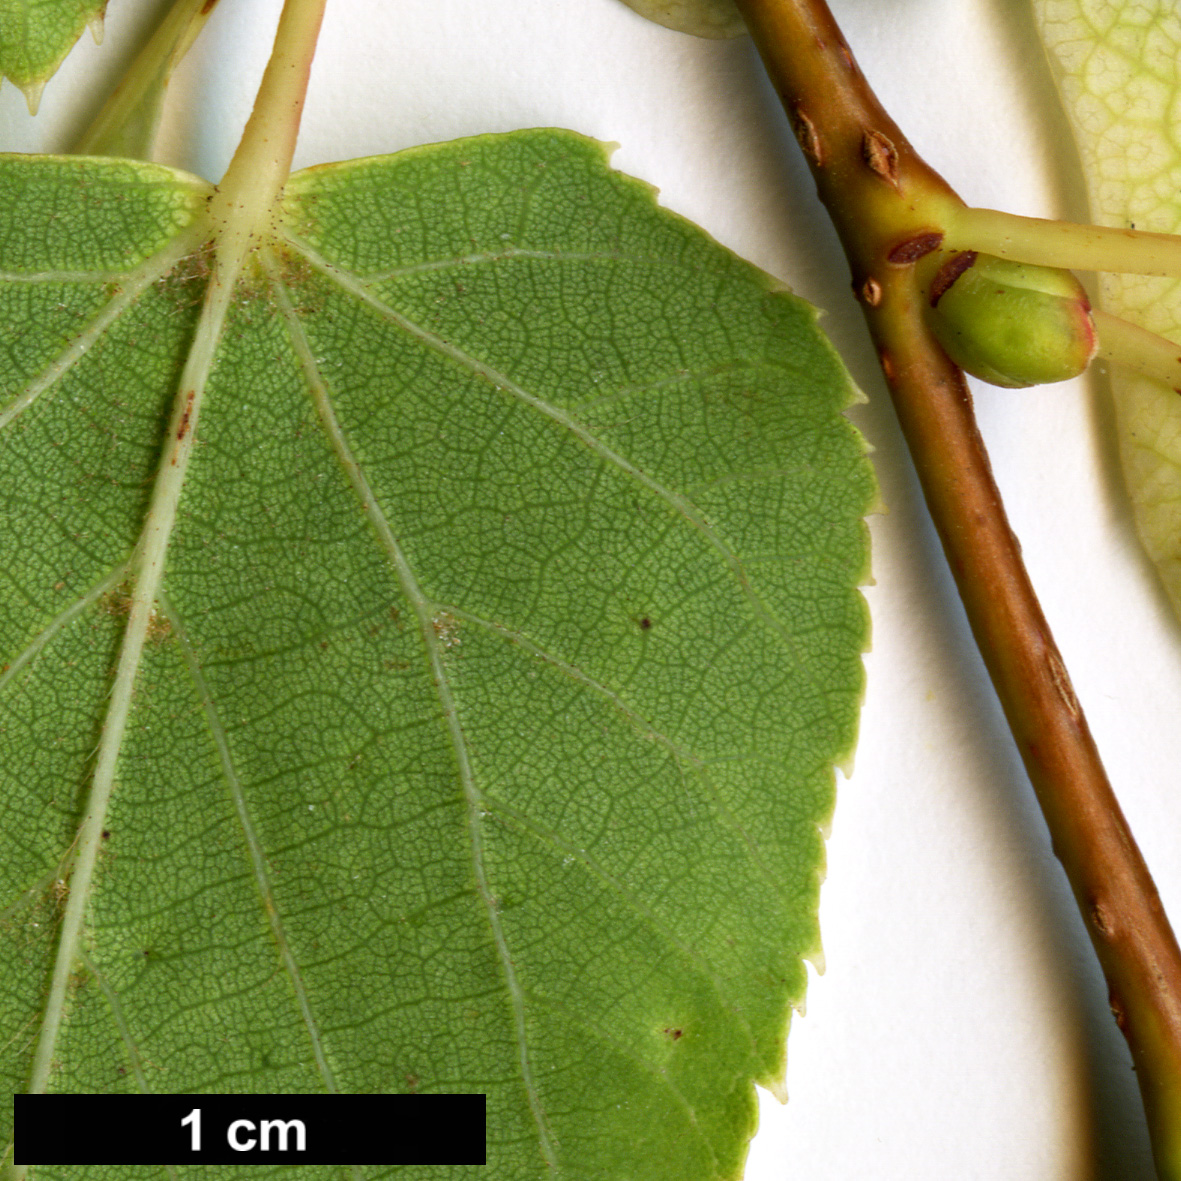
1118 66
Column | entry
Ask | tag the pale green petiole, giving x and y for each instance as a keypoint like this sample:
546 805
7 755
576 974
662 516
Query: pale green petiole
1064 244
127 122
255 178
1125 343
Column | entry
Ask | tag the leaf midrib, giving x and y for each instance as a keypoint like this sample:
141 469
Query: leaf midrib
148 571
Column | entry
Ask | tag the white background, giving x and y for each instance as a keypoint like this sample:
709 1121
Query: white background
960 1030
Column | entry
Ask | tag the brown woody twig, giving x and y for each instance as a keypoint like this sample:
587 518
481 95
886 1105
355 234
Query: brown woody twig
889 208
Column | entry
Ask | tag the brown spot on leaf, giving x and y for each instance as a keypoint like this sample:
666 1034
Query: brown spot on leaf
446 629
116 602
186 416
159 627
674 1034
184 285
645 623
297 276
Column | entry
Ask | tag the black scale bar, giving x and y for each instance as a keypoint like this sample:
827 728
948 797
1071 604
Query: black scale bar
250 1129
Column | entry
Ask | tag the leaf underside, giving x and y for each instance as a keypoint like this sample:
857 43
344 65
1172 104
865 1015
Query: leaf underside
36 35
1118 67
702 18
509 633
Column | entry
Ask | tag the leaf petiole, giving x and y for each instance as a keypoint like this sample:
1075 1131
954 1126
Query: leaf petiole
1125 343
127 122
1063 244
260 167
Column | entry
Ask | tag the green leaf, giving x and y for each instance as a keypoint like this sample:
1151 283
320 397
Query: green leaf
1119 70
36 35
483 734
702 18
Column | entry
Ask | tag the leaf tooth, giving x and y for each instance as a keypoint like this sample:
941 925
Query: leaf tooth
32 92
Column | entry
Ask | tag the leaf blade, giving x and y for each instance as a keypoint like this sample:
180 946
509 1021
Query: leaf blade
1116 66
36 35
431 620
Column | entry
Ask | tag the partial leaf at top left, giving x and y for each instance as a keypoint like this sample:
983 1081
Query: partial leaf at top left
36 35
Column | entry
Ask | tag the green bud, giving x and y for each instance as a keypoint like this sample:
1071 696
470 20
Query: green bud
1010 323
